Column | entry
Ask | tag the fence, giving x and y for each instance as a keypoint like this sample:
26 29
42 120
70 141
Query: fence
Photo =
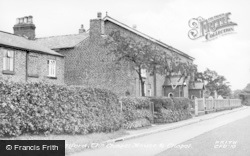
206 105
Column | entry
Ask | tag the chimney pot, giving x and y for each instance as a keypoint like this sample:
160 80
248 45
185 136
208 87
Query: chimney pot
30 19
25 19
21 20
24 27
82 30
99 15
17 20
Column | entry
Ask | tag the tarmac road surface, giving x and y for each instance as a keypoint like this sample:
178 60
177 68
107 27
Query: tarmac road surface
168 141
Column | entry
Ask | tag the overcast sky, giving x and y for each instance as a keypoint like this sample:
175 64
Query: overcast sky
166 20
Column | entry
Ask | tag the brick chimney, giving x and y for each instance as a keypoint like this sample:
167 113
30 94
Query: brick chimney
97 26
24 27
82 30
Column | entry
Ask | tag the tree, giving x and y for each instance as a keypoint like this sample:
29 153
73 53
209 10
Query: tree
236 93
145 55
172 64
215 83
137 53
247 88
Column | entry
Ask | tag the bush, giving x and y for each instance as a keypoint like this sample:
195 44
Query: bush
137 124
169 110
136 112
39 108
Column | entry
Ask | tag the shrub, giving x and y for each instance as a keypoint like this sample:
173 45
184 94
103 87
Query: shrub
169 110
137 124
39 108
136 112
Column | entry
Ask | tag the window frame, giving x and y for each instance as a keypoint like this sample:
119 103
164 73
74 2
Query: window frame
36 75
7 69
143 73
51 68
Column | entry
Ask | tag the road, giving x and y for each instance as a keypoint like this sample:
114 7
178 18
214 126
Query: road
229 140
167 142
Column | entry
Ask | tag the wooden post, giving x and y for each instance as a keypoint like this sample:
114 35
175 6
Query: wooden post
196 106
152 110
154 77
204 104
213 104
229 105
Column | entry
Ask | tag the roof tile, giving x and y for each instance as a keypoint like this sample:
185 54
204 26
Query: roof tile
8 39
64 41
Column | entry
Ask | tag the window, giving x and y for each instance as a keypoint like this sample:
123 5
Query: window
192 97
8 60
149 92
33 66
52 68
143 73
170 95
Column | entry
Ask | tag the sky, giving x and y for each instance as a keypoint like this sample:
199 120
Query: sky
165 20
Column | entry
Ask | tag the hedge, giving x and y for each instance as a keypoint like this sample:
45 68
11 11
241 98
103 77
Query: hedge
169 110
39 108
136 112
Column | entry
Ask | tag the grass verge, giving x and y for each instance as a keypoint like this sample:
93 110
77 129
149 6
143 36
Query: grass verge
75 143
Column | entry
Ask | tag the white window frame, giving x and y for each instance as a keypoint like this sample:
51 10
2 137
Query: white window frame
8 60
52 68
143 73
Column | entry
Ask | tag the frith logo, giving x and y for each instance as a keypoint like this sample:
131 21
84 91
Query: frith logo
210 28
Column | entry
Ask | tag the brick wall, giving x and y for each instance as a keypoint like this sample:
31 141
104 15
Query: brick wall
19 66
42 69
160 79
40 66
196 93
89 65
177 92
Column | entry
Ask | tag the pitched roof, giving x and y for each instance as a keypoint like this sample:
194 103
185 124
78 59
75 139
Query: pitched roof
244 93
197 85
18 42
107 18
64 41
174 80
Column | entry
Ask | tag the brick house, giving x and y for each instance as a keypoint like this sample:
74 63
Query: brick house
22 59
196 89
87 62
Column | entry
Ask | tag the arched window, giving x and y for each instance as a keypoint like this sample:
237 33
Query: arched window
192 97
170 95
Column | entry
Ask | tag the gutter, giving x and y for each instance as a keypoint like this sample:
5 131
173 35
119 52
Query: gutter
30 50
26 66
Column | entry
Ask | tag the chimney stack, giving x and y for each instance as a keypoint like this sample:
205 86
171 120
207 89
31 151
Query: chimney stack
24 27
82 30
97 27
99 15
